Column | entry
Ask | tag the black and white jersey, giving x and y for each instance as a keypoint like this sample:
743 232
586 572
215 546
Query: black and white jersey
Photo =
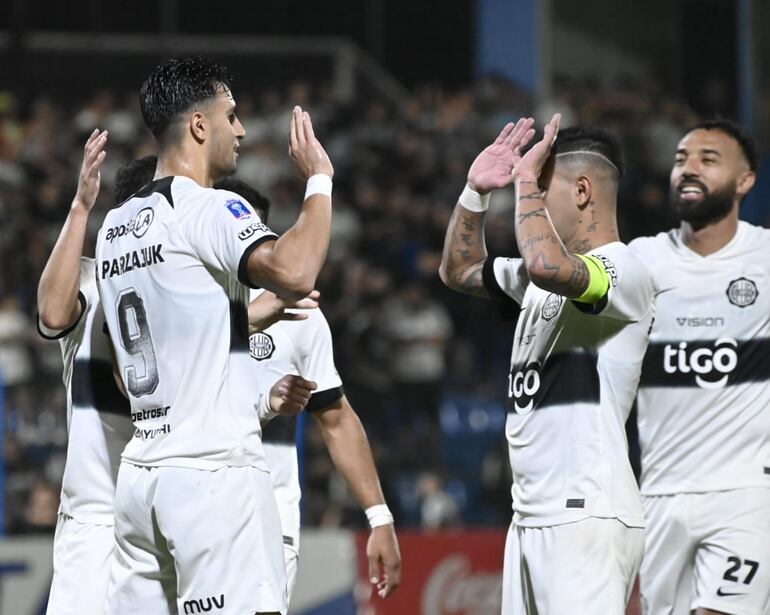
704 396
570 390
171 269
303 348
98 416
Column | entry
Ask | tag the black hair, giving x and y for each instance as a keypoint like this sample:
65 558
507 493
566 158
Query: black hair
576 139
258 201
175 87
737 132
131 177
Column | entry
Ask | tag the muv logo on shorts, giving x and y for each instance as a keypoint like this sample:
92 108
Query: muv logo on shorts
203 605
710 367
522 386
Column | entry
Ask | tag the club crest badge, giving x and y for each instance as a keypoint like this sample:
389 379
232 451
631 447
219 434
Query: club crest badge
551 306
261 346
742 292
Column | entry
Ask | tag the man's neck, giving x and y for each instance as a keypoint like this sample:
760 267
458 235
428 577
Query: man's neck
597 227
177 161
712 237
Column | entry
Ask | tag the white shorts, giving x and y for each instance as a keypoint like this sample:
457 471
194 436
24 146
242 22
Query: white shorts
587 567
707 550
291 559
195 541
81 567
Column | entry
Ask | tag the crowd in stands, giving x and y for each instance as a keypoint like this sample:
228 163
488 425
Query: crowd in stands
424 367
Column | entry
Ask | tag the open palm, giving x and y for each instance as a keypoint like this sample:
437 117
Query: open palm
493 166
531 164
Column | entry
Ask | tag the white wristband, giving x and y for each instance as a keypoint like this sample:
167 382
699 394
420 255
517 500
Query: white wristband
473 201
319 184
379 515
264 411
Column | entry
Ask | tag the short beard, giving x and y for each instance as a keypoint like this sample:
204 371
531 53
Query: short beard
714 206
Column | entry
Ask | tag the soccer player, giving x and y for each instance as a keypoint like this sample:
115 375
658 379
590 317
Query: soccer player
576 540
194 500
98 416
306 349
703 413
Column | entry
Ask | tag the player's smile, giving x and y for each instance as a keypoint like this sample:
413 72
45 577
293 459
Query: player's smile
691 189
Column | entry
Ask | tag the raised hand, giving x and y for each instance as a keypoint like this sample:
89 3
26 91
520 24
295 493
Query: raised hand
268 309
531 164
492 168
90 178
290 394
307 153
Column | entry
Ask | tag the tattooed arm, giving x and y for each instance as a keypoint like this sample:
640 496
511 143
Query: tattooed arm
549 265
546 259
464 252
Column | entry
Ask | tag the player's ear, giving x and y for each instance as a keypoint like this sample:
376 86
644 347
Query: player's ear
745 183
198 126
583 190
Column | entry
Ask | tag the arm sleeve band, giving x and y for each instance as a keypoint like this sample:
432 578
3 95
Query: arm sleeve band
598 280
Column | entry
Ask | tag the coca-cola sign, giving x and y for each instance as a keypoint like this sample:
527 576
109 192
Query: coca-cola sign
453 588
444 573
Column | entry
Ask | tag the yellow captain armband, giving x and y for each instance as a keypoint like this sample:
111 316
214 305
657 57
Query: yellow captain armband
598 280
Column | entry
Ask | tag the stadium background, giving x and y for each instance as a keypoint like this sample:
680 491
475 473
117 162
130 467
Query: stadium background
403 95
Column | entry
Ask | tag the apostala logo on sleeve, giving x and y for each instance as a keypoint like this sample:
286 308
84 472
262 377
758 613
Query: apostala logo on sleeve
742 292
261 346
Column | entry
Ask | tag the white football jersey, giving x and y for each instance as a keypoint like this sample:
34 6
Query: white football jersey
704 394
303 348
171 269
98 416
571 386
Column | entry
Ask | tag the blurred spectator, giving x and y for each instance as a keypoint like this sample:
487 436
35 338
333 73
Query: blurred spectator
437 508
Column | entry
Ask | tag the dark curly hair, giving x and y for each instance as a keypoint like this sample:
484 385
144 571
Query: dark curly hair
132 176
175 87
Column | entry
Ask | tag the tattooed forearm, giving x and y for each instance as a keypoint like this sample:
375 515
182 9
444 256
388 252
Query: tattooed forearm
468 224
531 196
535 213
470 281
578 278
464 252
528 244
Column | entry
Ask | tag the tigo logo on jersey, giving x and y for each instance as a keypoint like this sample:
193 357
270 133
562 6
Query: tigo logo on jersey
711 366
238 209
742 292
522 386
261 346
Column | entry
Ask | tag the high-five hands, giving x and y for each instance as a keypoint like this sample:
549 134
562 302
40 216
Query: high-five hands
492 168
90 178
531 164
305 150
